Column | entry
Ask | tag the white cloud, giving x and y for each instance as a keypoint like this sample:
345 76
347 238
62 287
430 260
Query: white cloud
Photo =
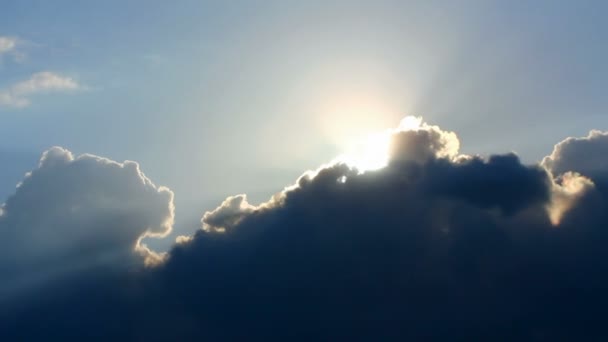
18 95
75 212
228 214
7 44
10 46
585 155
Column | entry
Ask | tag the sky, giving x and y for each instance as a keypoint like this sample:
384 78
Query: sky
188 89
181 120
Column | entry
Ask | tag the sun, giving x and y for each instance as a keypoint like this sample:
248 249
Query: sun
410 123
372 151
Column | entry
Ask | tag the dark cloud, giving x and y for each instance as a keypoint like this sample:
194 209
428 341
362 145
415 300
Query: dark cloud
500 182
434 246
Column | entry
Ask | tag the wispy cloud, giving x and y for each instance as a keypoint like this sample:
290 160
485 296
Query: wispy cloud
18 95
7 44
10 46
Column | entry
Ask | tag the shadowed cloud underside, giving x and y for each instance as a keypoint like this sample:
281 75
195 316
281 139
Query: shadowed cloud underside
432 244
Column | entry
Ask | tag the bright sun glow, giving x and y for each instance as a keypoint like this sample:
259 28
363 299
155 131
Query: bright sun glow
410 123
372 152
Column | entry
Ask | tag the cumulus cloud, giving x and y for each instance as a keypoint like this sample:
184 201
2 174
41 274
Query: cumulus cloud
578 165
227 215
585 155
417 141
432 237
412 140
421 248
567 190
74 213
433 246
18 94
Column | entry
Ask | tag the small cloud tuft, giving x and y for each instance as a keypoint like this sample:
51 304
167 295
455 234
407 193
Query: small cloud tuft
19 94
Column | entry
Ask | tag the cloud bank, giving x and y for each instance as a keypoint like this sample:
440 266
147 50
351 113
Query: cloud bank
19 94
435 245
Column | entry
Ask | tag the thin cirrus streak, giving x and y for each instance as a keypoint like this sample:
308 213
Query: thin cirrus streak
19 94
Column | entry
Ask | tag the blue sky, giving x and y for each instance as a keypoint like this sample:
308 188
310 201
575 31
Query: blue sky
220 98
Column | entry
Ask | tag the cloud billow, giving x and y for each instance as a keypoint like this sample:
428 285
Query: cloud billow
74 213
433 246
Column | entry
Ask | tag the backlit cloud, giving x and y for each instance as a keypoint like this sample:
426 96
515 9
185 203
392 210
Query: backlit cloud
434 245
585 155
76 213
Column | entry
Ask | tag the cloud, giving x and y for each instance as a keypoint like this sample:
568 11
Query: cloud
435 245
578 164
228 214
586 155
18 95
74 213
412 140
421 248
422 142
7 44
13 47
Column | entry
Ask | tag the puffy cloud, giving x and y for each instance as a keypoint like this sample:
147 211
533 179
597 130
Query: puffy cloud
567 190
432 246
75 213
435 245
227 215
417 141
183 239
413 140
586 155
18 95
579 165
345 254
